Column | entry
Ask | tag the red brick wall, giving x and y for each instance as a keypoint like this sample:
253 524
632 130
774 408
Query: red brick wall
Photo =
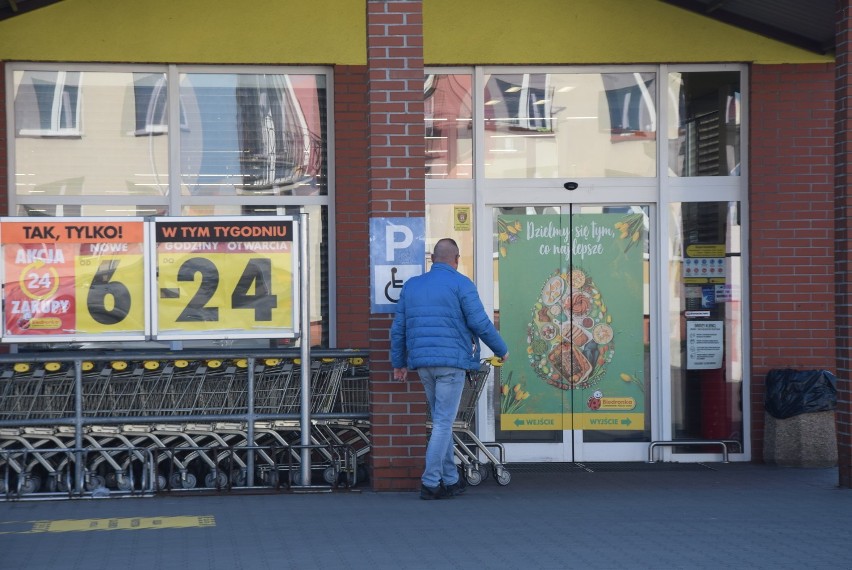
397 169
351 204
791 225
843 245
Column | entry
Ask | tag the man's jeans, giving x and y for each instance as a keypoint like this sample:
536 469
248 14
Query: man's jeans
443 386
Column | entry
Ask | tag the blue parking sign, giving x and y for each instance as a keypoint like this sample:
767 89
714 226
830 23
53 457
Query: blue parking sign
397 253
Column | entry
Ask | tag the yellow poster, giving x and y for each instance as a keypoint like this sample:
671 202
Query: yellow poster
225 278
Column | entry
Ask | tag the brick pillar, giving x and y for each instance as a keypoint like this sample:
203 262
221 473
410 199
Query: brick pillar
791 200
397 170
842 237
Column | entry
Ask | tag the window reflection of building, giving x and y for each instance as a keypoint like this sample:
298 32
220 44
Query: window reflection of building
449 118
255 136
631 105
550 125
47 103
704 138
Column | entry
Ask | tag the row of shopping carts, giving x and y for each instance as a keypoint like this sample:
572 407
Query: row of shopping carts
154 424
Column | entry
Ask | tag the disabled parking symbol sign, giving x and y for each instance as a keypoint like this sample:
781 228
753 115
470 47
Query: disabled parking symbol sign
397 253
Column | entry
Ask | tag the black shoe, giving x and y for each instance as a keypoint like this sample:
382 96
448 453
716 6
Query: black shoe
431 493
458 487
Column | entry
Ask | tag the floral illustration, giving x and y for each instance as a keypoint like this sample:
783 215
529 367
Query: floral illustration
507 233
631 226
512 397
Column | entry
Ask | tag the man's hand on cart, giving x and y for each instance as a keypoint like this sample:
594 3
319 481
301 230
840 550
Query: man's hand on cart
496 360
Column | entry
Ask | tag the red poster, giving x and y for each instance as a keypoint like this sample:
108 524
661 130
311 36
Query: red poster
39 289
73 278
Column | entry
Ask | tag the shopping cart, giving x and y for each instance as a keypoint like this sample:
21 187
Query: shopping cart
476 459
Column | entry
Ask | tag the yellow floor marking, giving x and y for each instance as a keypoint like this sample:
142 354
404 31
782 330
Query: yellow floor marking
135 523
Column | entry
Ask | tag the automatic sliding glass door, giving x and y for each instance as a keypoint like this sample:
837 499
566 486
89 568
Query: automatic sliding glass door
572 295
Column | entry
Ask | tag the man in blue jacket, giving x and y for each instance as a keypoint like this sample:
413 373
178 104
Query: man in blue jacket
439 321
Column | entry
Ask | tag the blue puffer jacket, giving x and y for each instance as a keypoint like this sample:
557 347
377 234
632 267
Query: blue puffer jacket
439 321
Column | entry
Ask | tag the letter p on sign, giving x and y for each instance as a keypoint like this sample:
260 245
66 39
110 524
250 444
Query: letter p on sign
406 238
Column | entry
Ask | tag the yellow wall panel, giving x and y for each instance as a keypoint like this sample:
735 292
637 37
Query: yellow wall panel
589 31
190 31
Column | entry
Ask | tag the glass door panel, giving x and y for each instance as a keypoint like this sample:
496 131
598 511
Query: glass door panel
572 295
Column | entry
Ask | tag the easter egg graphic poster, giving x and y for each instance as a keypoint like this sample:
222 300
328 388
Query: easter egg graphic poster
571 290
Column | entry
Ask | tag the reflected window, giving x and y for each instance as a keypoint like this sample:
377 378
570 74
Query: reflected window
705 117
552 125
47 103
631 106
253 135
150 94
449 126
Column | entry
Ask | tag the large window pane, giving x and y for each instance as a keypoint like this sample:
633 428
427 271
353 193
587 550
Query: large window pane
706 322
705 114
549 125
253 135
449 126
77 134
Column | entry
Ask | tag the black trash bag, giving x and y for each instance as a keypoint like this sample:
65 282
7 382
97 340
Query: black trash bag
793 392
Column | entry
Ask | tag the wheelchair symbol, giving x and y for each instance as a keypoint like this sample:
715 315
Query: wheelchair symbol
394 283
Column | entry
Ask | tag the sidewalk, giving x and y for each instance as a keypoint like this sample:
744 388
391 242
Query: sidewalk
617 516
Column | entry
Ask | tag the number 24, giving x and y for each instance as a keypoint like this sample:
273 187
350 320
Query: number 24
258 271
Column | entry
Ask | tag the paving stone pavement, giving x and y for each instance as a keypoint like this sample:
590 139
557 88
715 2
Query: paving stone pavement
603 516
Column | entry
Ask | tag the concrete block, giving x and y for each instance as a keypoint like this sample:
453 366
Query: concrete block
806 440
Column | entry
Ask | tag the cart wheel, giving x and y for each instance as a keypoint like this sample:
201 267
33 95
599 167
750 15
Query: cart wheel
239 478
502 475
330 475
30 484
123 482
95 482
216 479
473 477
296 478
160 484
269 478
63 481
187 482
483 471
